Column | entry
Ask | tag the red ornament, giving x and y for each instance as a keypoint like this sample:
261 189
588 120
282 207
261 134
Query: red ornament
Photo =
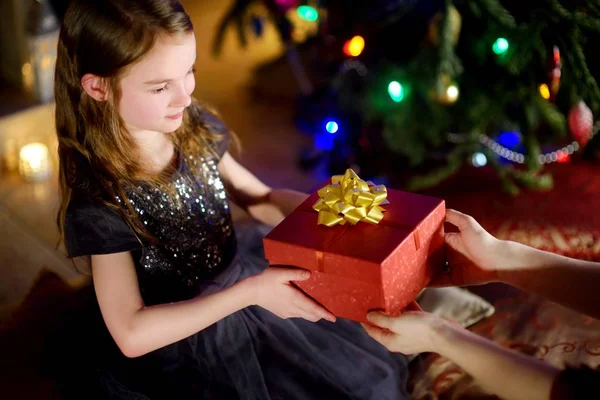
581 121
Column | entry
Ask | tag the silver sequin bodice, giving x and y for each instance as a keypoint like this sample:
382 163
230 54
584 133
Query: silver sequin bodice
195 232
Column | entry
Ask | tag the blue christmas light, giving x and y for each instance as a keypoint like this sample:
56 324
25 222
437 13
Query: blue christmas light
324 141
332 126
509 139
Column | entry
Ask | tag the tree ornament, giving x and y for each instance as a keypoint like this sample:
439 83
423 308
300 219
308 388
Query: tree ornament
581 121
455 25
446 92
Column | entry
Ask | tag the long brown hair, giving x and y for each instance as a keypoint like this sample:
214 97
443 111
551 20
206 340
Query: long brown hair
96 154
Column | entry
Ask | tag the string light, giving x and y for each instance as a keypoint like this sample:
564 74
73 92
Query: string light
500 46
332 126
354 65
355 46
560 155
544 91
479 160
509 139
452 93
396 91
308 13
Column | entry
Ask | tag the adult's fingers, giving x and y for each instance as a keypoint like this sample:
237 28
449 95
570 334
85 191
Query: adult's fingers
383 336
460 220
382 320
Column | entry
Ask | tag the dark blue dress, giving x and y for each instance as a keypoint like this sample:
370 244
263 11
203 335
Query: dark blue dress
251 354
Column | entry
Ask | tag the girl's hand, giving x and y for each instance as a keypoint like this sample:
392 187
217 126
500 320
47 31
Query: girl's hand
412 332
273 290
474 255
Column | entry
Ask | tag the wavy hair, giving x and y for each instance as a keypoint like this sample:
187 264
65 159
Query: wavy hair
96 153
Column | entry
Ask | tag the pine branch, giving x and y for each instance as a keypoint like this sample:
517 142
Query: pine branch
559 10
475 9
549 113
528 40
234 15
578 18
508 186
532 149
585 81
498 13
594 7
532 180
586 22
449 63
395 17
241 30
435 177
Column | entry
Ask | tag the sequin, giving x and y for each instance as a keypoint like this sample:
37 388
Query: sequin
195 231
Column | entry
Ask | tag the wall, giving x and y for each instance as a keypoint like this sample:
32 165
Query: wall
12 40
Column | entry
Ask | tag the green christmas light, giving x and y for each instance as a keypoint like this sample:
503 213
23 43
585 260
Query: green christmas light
500 46
396 91
308 13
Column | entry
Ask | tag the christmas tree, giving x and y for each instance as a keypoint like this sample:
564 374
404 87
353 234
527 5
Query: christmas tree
418 89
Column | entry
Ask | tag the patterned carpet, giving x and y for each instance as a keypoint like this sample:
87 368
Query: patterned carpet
564 220
524 323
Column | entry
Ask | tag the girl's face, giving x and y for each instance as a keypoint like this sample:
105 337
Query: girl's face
156 90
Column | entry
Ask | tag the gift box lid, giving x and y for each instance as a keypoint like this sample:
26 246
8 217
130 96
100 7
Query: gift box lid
298 240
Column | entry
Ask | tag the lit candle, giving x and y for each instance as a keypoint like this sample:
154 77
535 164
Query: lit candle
34 163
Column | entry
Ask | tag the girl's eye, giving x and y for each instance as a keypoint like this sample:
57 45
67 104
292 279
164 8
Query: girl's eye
162 89
159 90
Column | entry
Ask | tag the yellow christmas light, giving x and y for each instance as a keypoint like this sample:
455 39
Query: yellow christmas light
355 46
544 91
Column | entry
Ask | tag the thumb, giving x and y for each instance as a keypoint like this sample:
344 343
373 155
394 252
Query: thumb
460 220
294 275
382 320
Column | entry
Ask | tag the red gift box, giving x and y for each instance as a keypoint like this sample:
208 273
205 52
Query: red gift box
363 267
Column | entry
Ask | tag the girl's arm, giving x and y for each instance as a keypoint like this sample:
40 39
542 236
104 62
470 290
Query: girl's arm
269 206
138 329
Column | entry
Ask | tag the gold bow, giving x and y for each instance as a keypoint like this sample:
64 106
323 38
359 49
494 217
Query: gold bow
350 199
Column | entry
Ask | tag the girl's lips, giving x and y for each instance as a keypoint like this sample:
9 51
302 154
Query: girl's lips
176 116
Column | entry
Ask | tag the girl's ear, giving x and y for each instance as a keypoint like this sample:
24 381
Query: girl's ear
95 87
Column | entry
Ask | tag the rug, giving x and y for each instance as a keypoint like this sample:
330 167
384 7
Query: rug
564 220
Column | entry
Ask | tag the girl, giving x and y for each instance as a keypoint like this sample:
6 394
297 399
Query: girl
145 176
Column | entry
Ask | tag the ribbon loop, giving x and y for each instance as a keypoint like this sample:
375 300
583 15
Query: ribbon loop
350 199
